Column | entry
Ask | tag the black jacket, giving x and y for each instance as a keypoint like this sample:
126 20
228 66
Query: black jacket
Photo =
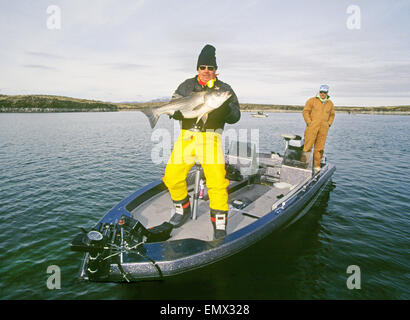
228 112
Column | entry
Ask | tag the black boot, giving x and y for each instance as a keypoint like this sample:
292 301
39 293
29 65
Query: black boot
219 220
182 212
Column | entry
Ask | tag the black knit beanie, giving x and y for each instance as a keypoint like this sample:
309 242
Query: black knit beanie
207 57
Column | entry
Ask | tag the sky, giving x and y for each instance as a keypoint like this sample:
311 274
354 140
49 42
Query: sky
270 52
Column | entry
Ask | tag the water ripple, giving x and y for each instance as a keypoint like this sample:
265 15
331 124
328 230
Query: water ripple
62 171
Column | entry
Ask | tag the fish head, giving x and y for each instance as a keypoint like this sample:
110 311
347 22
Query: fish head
214 99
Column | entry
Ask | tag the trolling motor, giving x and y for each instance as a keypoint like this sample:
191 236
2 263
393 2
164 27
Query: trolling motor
107 243
95 243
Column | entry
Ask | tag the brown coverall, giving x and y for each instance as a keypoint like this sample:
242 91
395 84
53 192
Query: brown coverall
318 117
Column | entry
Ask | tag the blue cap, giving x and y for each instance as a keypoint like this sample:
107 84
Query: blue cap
324 87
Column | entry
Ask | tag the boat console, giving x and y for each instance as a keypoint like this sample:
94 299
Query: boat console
294 155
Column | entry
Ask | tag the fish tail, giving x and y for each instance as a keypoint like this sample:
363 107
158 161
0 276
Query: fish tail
152 116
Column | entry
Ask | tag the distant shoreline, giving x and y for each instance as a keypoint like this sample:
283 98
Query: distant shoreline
49 104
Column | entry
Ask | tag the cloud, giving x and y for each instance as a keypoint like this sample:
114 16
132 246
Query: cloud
100 12
45 55
125 66
270 52
39 66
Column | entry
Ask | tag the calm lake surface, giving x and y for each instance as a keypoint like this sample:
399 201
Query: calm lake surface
60 171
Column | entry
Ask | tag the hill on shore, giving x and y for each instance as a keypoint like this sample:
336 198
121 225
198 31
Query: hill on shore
49 103
44 103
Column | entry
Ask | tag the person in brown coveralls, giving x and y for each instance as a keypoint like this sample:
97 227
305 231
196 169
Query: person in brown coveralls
319 113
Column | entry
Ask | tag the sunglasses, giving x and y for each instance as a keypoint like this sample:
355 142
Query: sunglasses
210 68
323 91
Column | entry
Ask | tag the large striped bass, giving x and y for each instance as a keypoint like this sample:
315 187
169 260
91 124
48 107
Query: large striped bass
196 105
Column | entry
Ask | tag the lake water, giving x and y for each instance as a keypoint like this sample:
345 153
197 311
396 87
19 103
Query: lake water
60 171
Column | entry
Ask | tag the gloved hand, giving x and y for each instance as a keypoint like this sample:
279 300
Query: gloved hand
228 112
233 113
177 115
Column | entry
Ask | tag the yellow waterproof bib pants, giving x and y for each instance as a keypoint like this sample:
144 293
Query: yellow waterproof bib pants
205 147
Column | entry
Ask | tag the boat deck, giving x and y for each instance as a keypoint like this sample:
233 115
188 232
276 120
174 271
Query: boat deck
259 197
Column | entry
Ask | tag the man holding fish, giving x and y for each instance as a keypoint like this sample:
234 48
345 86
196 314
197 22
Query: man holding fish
203 104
